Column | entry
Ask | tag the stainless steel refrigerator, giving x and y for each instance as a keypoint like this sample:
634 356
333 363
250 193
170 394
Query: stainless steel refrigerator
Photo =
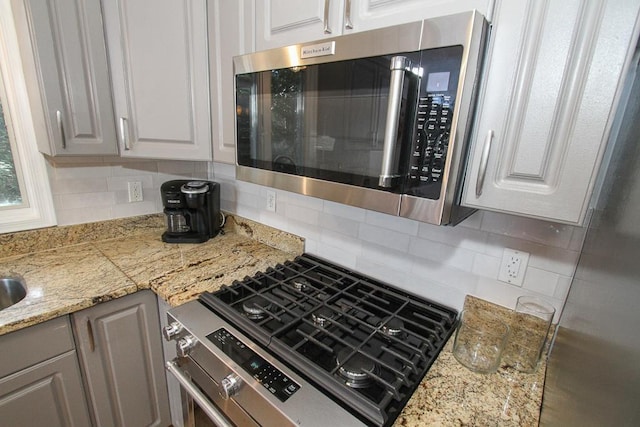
593 374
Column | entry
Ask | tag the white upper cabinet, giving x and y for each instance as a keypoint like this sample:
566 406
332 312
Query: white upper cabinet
553 77
158 57
285 22
68 75
231 32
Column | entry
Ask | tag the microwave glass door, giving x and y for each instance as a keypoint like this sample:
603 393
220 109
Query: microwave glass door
327 121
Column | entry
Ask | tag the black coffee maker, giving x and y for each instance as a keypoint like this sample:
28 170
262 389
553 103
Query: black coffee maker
192 210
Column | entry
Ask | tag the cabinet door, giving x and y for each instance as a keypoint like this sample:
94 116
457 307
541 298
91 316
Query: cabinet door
285 22
231 32
121 357
72 75
47 394
553 78
159 66
371 14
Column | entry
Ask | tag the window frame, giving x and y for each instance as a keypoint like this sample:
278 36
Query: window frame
39 210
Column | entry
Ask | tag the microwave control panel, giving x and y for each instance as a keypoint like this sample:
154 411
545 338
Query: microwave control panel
436 101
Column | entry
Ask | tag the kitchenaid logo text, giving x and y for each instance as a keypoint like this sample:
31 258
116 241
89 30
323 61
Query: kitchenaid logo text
322 49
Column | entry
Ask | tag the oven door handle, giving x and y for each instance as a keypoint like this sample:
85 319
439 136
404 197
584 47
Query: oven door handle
199 397
399 65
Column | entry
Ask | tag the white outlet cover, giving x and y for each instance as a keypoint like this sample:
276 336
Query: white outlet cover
513 266
271 201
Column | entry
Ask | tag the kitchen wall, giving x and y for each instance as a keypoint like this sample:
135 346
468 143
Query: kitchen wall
95 189
442 263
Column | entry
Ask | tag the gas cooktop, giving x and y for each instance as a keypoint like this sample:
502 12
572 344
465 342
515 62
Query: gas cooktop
364 343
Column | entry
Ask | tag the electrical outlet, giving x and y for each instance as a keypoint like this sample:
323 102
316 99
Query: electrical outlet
513 266
271 201
135 191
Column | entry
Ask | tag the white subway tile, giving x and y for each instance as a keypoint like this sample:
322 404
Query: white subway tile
401 225
464 237
224 171
302 214
85 200
562 289
85 185
338 224
83 215
473 221
176 167
249 199
121 183
77 172
386 257
444 275
486 266
547 233
556 260
344 211
450 255
541 281
351 245
336 254
135 168
306 202
577 238
384 273
133 209
384 237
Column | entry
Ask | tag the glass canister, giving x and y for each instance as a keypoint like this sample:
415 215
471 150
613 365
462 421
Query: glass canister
480 340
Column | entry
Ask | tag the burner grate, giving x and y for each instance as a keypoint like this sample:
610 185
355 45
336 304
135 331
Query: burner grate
395 335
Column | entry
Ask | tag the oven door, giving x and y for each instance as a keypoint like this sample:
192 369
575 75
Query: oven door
202 404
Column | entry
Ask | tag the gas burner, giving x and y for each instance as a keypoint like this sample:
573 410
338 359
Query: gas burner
255 308
355 371
394 327
322 316
300 283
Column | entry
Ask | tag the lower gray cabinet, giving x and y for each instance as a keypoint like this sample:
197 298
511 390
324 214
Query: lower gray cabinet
120 352
40 383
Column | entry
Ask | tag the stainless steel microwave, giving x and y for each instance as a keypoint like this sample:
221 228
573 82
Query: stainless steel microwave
379 119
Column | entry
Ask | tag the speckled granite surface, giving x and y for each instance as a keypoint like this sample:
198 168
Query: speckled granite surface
115 258
452 395
71 268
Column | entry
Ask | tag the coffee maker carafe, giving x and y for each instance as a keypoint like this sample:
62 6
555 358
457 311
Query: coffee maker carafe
192 210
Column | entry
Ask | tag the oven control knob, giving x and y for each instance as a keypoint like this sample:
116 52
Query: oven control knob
185 344
229 386
171 330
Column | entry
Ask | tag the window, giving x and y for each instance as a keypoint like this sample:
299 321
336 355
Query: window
10 194
25 195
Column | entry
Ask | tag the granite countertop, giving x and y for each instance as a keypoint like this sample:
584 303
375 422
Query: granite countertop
71 268
84 268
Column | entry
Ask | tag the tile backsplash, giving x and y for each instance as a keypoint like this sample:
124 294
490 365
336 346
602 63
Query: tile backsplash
441 263
95 189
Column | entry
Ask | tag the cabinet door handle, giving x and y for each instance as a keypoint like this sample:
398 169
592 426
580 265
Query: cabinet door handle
484 160
61 129
399 65
347 15
327 6
123 134
92 341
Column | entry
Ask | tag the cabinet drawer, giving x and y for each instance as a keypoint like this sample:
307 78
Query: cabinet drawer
32 345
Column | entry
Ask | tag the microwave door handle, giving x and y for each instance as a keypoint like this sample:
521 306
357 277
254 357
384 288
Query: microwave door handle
399 65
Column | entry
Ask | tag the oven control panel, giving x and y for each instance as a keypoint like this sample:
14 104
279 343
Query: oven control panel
268 375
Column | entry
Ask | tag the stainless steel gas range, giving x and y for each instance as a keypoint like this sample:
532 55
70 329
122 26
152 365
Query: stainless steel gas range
305 343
